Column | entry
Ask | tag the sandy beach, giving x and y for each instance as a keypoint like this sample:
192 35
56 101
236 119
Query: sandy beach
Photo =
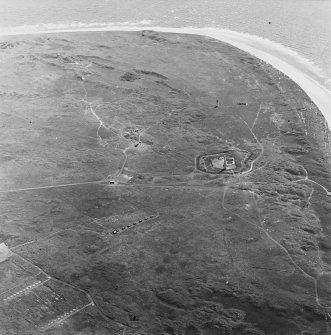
299 69
118 209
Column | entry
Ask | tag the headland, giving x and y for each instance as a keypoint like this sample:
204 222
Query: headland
157 183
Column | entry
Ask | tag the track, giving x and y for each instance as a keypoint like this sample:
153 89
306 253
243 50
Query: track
50 186
101 124
266 233
87 294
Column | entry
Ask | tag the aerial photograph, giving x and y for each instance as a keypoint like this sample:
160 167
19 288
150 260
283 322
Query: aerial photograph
165 167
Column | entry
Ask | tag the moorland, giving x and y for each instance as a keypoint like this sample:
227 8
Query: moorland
111 227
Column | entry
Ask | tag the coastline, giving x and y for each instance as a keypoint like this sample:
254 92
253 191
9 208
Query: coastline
82 111
258 47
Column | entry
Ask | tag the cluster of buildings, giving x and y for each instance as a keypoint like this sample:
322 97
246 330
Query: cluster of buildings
217 163
224 163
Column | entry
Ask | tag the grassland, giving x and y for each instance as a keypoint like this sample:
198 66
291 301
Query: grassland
100 133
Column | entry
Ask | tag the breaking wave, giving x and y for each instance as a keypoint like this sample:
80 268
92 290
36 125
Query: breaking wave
68 27
300 69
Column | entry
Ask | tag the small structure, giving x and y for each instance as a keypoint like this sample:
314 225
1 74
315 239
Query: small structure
225 162
218 162
5 252
230 163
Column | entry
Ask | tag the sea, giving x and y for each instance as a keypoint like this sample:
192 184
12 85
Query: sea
302 27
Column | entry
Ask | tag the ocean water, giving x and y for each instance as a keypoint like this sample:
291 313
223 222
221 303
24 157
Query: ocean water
302 26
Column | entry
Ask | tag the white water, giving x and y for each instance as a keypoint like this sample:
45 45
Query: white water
301 25
299 69
292 35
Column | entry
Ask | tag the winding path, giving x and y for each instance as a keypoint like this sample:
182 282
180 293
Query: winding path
197 187
264 231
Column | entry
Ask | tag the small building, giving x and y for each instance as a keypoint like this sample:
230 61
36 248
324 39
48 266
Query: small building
5 252
230 163
218 162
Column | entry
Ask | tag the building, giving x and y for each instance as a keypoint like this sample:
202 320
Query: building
230 163
218 162
5 252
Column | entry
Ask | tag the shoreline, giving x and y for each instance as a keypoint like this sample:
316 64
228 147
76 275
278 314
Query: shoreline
258 47
84 112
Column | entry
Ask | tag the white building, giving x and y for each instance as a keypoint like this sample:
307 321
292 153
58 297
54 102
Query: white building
218 163
5 252
230 164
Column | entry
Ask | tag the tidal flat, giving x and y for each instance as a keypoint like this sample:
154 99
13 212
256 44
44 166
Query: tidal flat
109 225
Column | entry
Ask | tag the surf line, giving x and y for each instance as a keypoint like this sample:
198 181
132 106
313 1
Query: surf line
267 50
299 69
